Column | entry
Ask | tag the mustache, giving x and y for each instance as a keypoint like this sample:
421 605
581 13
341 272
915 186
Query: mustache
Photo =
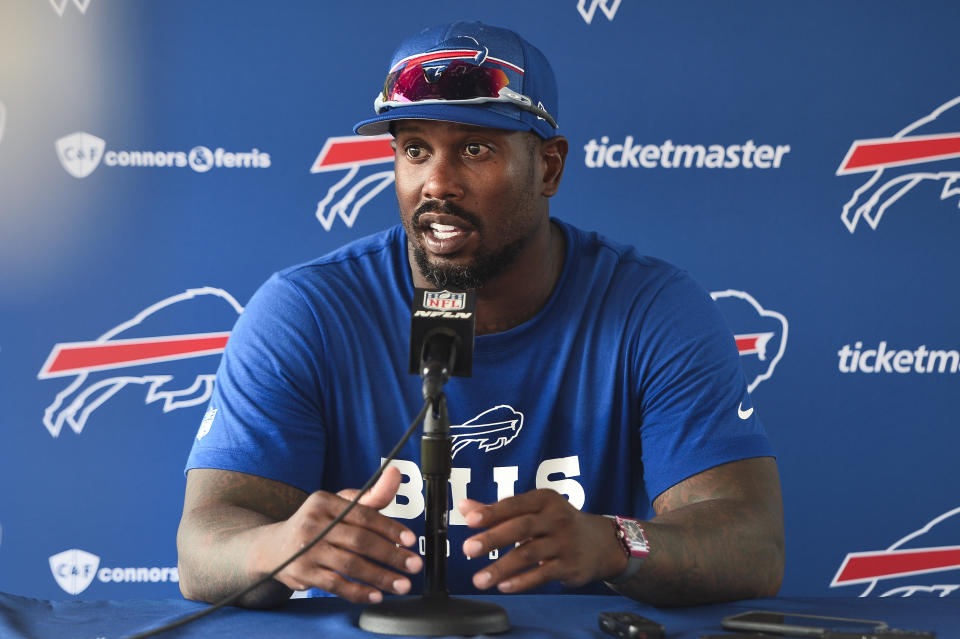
448 208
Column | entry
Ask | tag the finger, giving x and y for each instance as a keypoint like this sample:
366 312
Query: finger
381 493
518 529
479 515
535 577
365 543
354 567
467 506
335 584
527 566
320 507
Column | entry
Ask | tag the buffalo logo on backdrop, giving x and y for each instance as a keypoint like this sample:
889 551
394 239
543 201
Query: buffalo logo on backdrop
761 334
81 153
492 429
60 6
159 348
926 562
352 152
588 8
925 150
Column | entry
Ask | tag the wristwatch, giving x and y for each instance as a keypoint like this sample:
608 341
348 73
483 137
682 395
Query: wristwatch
634 543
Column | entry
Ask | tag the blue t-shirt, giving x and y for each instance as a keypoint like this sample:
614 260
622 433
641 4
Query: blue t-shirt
626 382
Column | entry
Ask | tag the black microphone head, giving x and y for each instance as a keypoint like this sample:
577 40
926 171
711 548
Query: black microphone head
454 312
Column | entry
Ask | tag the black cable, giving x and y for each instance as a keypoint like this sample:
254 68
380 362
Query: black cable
336 520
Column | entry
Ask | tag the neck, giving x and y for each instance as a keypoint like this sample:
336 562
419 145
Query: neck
520 293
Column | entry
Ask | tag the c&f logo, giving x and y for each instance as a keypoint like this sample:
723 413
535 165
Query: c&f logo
352 152
80 153
60 6
609 8
74 569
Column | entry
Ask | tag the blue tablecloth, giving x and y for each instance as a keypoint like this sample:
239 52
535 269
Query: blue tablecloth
530 616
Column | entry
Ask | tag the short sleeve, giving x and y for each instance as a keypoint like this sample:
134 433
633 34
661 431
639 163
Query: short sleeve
696 412
264 417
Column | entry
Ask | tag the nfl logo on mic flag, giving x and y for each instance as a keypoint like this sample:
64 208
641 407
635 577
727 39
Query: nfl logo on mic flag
444 300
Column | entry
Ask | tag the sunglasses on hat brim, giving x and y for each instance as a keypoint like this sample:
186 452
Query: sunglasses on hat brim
458 82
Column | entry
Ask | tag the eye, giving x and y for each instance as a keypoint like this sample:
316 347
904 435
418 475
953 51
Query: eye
414 151
475 149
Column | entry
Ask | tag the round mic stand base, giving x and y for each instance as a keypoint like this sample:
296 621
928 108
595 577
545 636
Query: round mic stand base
433 616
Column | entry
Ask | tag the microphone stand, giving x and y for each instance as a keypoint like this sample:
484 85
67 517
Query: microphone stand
436 612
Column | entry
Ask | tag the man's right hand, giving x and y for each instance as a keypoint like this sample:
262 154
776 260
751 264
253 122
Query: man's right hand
341 563
238 527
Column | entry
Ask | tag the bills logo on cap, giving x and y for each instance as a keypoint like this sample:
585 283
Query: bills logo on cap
435 61
933 141
352 152
444 300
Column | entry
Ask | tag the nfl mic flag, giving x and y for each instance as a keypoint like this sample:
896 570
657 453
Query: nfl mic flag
447 311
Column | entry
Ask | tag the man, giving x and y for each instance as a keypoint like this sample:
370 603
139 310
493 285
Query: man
604 383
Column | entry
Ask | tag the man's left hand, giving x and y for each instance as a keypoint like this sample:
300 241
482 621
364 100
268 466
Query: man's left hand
554 542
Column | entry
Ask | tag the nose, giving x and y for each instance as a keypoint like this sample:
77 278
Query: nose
443 180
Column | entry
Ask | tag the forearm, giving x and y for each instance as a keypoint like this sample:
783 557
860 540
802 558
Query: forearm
709 551
217 551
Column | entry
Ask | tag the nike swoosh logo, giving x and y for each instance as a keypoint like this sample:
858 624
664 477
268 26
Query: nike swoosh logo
744 414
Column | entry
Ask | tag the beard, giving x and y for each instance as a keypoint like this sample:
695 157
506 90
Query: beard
486 264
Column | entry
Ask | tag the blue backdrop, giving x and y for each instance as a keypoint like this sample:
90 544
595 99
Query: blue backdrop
158 160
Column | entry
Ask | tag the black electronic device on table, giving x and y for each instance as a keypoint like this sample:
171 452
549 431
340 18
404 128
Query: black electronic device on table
630 625
889 633
802 625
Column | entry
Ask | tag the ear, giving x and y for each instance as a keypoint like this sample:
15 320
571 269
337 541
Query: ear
553 155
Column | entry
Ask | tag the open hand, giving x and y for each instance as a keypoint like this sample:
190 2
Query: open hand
554 542
347 561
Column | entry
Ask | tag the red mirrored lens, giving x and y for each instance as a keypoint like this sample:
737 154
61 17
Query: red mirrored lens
457 81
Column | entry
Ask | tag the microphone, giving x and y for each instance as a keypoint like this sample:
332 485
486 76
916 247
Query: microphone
442 326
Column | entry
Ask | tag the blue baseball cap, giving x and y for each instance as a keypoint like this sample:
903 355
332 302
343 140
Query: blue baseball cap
471 73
